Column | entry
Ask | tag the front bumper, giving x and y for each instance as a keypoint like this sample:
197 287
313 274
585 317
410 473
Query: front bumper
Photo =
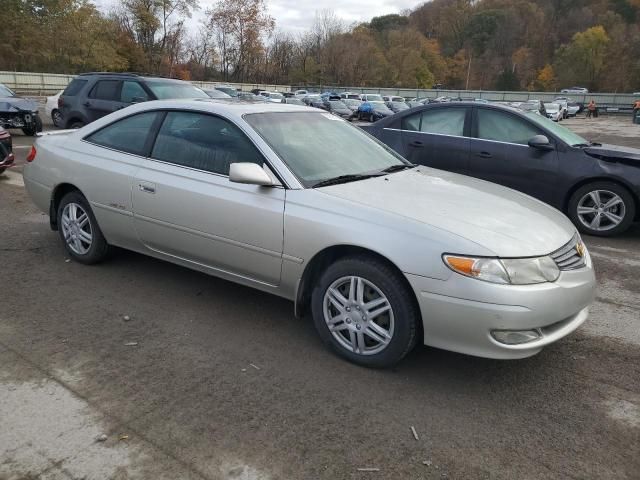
460 313
21 119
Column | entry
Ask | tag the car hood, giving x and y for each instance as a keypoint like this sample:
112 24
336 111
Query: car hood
17 104
615 153
506 222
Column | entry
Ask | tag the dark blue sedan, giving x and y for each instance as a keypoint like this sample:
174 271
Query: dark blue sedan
597 186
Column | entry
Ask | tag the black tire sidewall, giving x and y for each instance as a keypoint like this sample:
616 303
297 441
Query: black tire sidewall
76 125
622 192
405 312
99 247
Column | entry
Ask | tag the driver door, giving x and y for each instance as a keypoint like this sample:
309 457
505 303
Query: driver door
500 153
185 207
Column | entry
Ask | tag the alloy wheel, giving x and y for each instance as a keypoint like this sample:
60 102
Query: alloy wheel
601 210
76 228
358 315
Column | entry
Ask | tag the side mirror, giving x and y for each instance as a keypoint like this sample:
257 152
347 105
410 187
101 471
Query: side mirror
540 142
250 174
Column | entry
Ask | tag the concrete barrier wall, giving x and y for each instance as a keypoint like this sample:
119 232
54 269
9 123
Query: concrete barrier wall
50 83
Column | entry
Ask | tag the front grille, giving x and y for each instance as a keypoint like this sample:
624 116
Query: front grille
568 257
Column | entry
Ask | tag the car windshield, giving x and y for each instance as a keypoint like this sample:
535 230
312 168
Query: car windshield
232 92
559 131
379 106
551 107
300 140
171 90
6 92
373 98
337 104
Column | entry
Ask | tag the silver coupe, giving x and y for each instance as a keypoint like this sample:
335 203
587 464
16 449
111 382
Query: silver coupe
297 202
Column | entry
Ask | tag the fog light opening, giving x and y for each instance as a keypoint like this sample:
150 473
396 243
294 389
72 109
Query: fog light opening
516 337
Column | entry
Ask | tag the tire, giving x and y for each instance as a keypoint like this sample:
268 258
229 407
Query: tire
583 209
75 124
56 118
371 118
399 323
32 131
81 250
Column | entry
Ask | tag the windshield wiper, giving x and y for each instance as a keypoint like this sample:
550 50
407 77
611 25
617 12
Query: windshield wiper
590 144
345 179
397 168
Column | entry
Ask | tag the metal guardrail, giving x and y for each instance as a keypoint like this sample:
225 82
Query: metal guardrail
28 83
39 84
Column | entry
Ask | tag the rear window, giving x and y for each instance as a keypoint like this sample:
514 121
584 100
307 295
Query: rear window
106 90
74 87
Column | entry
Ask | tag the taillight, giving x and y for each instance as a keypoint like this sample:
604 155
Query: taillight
32 154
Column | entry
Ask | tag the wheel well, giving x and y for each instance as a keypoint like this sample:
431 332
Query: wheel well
59 192
323 259
565 206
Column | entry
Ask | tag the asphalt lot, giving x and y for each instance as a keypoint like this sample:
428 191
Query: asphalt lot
224 383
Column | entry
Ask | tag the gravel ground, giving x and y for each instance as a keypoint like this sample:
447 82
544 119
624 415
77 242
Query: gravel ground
224 383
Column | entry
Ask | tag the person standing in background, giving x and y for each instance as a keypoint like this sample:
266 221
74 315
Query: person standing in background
591 109
636 112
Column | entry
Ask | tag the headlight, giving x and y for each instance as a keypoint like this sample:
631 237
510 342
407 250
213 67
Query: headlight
514 271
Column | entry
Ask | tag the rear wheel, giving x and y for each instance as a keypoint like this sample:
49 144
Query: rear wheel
56 118
75 124
364 312
602 208
79 230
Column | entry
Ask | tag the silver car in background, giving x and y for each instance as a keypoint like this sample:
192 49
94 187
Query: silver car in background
383 254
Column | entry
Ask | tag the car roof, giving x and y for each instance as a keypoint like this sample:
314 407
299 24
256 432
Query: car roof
216 106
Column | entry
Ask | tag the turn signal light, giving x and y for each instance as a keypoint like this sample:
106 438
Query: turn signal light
32 154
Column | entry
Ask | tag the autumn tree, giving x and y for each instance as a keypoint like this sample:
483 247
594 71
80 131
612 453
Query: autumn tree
582 60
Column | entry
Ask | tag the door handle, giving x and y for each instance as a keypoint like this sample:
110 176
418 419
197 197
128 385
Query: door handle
416 143
484 154
87 104
147 187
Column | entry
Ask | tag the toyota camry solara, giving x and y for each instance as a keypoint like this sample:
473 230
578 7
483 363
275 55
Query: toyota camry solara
297 202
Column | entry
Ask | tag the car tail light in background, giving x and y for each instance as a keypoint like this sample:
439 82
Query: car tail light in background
32 154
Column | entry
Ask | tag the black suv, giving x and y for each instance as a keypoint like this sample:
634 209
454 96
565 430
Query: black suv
90 96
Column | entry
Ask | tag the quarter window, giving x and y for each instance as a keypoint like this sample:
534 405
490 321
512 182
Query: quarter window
203 142
504 127
127 135
74 87
105 90
133 92
443 121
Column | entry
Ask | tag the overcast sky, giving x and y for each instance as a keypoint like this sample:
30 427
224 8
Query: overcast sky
298 15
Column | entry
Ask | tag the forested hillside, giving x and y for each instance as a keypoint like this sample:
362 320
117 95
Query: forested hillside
481 44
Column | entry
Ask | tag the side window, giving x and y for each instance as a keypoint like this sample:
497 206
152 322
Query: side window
74 87
503 127
128 135
445 121
105 90
133 91
412 122
204 142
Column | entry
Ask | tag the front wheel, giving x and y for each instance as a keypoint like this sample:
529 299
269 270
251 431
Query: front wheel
602 208
364 312
79 230
37 127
